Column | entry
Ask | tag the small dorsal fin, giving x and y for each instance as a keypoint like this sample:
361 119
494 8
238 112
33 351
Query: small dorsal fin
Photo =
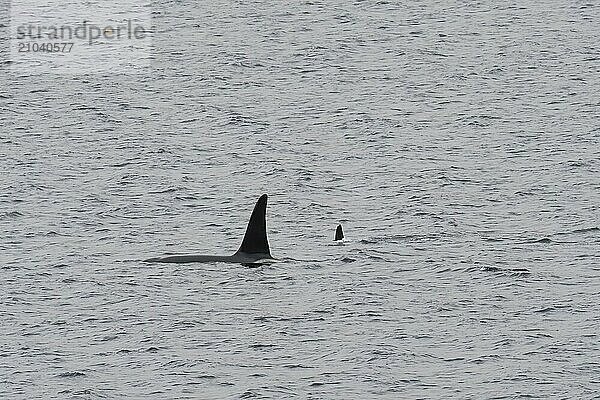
339 234
255 240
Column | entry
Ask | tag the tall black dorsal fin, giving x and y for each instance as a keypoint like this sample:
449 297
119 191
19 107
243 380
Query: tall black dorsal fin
255 239
339 234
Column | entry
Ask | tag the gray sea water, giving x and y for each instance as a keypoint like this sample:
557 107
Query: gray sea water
457 142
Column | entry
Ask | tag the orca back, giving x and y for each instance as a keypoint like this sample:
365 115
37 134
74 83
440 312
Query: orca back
255 240
339 233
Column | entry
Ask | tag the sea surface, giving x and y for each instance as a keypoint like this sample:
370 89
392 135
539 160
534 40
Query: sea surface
457 142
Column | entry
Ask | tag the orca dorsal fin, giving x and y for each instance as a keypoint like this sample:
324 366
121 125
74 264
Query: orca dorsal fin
339 233
255 240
